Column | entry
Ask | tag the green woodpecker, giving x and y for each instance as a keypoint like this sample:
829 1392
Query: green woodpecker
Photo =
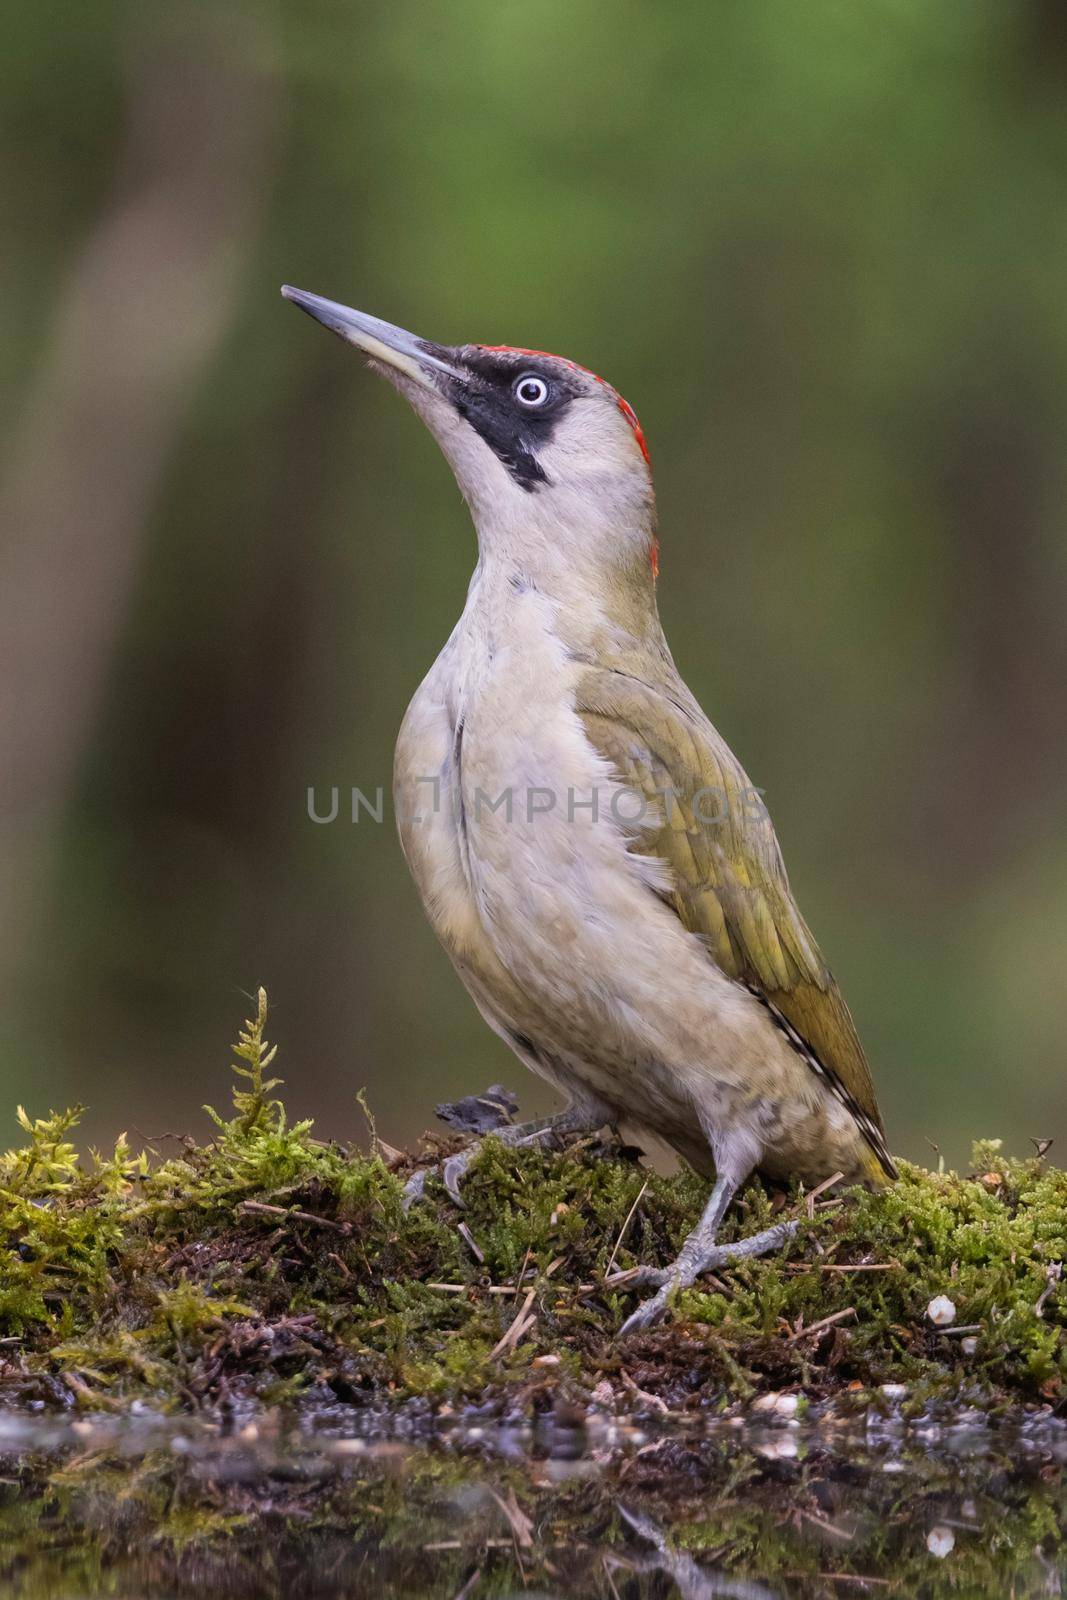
588 849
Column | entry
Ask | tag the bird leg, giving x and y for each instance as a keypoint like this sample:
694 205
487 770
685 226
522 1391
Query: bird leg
577 1118
698 1254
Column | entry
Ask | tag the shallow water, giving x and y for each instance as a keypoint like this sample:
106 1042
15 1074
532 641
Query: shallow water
338 1502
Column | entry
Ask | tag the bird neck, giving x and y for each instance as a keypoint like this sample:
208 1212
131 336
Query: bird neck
602 612
593 561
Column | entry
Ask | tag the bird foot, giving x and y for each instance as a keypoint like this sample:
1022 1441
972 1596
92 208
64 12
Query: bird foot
684 1273
454 1169
449 1172
522 1133
656 1307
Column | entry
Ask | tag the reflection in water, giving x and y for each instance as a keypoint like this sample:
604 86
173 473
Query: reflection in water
330 1502
692 1581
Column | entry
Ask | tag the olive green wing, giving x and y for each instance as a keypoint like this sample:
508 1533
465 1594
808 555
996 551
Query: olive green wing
729 885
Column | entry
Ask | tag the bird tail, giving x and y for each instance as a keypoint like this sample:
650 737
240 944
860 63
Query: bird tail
878 1168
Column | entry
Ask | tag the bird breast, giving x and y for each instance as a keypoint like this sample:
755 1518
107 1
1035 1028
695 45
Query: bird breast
516 833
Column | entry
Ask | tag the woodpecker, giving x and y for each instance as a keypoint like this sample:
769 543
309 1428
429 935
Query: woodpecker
588 849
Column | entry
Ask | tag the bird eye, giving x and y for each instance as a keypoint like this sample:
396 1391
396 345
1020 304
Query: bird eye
530 391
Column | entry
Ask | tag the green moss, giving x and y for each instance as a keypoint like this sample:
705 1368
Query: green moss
267 1261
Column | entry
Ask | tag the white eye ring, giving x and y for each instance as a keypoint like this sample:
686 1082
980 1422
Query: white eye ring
531 391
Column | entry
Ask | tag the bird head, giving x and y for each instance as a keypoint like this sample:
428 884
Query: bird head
549 457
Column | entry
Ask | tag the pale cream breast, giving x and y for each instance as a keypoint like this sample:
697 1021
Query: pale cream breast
529 880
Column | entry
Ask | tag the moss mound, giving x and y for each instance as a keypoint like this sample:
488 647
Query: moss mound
266 1264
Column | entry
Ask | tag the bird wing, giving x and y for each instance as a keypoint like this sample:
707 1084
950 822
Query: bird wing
728 881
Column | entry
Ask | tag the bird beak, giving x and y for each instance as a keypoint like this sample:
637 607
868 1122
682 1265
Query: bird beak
415 358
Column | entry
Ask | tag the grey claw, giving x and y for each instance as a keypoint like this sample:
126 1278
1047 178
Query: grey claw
653 1310
641 1524
414 1189
758 1244
451 1172
684 1273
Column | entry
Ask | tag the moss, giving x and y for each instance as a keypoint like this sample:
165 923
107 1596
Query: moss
266 1262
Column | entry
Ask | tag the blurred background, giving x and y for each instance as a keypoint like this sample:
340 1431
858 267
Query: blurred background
823 251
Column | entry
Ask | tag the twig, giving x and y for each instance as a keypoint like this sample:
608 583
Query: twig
517 1520
855 1577
825 1322
465 1288
808 1201
517 1328
458 1544
607 1573
622 1230
645 1450
471 1242
861 1266
183 1138
259 1208
642 1394
830 1527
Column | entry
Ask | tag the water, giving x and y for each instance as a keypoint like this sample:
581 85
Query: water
334 1502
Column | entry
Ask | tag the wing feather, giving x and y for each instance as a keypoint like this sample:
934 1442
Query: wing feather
729 883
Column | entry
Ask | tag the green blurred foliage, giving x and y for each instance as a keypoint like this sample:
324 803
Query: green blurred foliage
821 249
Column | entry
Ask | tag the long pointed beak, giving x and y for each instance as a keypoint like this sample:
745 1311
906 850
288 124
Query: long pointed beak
414 357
